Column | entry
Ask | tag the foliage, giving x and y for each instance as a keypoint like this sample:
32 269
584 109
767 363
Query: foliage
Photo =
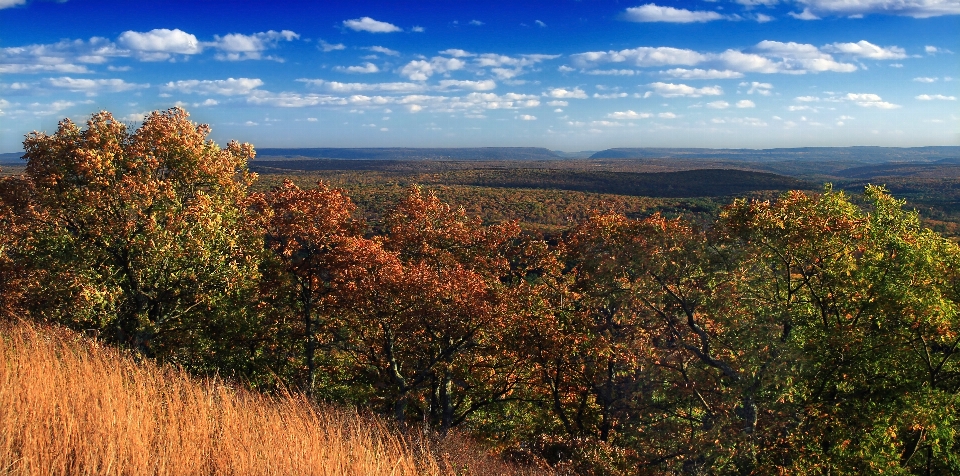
814 333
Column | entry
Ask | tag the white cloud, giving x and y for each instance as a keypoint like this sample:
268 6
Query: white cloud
527 117
610 95
236 47
93 86
667 115
11 3
417 29
365 68
805 57
761 18
483 85
643 56
930 50
745 103
476 22
682 73
507 67
865 49
718 105
420 70
338 87
43 68
383 49
328 47
414 107
869 100
939 97
925 80
224 87
655 13
370 25
629 114
762 89
562 93
911 8
806 14
807 99
610 72
558 103
671 90
159 44
540 23
456 53
207 103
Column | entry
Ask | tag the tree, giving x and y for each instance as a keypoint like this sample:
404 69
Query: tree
424 313
148 232
306 231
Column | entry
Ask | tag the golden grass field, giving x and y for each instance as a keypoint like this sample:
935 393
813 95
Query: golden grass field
69 406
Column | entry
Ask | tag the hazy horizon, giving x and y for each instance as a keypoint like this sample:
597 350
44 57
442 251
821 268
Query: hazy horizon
571 76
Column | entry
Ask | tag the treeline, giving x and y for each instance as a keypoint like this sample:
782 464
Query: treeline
806 335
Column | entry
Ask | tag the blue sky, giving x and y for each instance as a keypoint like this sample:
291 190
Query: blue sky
567 75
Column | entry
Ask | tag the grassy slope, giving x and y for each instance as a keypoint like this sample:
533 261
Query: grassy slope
69 406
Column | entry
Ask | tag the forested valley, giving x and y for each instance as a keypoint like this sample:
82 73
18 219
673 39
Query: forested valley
799 329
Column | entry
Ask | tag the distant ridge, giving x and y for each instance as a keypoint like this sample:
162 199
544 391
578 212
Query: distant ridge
403 153
860 153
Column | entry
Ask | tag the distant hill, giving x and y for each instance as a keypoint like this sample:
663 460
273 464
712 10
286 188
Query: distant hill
859 154
11 158
403 153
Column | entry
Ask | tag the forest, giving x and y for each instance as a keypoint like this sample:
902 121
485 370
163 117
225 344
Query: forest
597 323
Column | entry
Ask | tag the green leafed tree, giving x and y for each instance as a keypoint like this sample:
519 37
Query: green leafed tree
145 235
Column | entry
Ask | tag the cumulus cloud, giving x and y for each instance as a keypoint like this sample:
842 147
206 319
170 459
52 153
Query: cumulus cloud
11 3
160 43
642 57
756 87
527 117
383 50
236 46
629 114
610 72
925 80
224 87
338 87
869 100
670 90
328 47
558 103
93 86
655 13
456 53
745 103
667 115
806 14
805 57
365 68
484 85
936 97
697 73
507 67
718 105
865 49
421 70
911 8
563 93
370 25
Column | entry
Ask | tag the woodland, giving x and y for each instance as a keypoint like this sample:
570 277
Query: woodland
617 316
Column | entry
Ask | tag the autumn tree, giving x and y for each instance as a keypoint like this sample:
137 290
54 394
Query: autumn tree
306 233
425 312
146 234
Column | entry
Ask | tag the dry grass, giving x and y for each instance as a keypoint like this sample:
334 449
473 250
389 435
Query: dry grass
69 406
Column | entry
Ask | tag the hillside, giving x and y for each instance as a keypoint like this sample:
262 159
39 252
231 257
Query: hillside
69 405
404 153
